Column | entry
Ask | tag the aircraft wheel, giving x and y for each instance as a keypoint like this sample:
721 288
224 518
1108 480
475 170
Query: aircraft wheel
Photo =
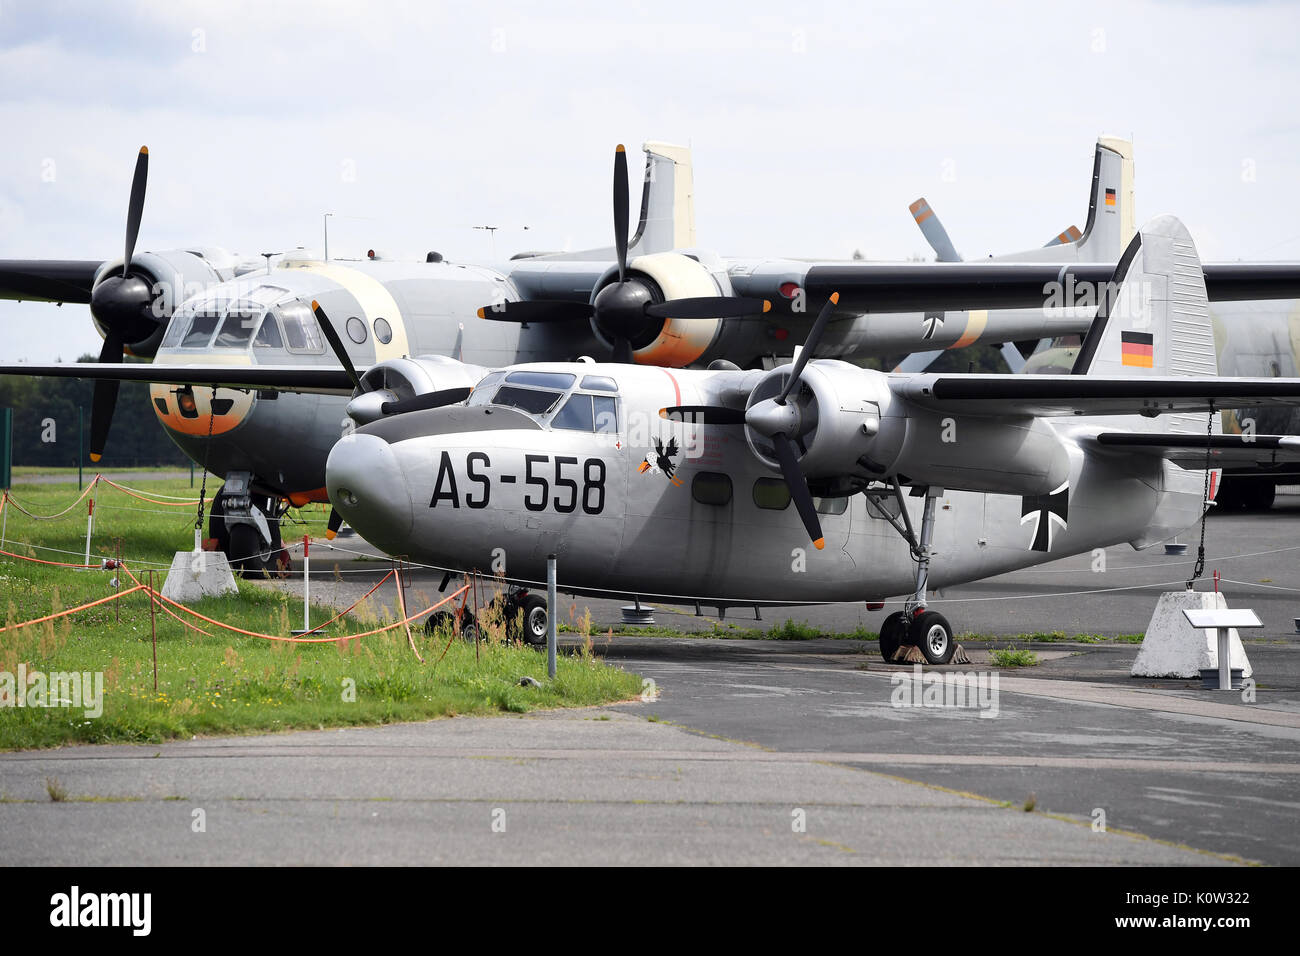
535 619
931 633
438 620
245 553
469 627
892 632
1260 495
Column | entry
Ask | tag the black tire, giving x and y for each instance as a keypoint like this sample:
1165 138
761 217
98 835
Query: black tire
892 632
468 627
245 554
535 620
437 620
931 633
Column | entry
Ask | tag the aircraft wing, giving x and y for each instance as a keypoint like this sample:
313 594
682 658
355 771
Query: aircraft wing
956 286
1062 395
324 380
48 280
1189 450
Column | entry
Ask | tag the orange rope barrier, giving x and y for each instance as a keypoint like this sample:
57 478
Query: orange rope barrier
50 617
183 503
89 488
57 564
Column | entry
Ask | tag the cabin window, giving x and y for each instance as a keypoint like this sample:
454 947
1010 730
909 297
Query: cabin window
606 413
534 401
772 494
711 488
300 329
237 329
575 415
268 336
200 330
383 331
356 330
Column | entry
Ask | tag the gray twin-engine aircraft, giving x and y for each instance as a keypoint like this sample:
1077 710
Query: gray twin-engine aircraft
244 381
820 481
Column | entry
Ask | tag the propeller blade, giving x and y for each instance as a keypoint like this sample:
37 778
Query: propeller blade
336 344
794 480
935 234
620 209
135 210
623 352
335 522
105 400
708 307
704 414
801 358
448 396
536 311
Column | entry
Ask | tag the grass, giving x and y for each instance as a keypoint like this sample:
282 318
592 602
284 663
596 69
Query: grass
227 683
1055 637
1011 657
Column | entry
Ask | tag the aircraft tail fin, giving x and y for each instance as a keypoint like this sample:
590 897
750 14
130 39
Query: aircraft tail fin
1110 223
1153 317
667 201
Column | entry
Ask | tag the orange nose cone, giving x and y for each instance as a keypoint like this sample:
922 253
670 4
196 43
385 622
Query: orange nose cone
819 543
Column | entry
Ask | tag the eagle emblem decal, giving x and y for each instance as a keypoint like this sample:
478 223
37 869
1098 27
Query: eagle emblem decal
661 460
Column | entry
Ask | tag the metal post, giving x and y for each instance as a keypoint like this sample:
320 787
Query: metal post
1225 658
81 438
306 583
90 524
153 632
6 447
550 616
191 473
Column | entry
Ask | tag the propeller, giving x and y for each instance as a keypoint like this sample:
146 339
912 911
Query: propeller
335 522
626 313
778 420
336 344
935 234
122 307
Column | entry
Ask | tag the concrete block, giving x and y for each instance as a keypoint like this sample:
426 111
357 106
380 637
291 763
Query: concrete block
198 574
1173 648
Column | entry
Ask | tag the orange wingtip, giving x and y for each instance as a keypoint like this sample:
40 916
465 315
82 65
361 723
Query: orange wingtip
144 150
94 457
819 543
619 148
767 306
330 535
835 298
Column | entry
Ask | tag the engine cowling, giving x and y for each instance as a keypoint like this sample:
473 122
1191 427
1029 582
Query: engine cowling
138 307
849 427
401 379
656 278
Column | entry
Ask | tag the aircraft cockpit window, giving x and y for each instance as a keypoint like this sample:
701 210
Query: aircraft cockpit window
606 413
575 415
300 329
534 401
557 380
200 331
599 383
237 329
268 336
485 389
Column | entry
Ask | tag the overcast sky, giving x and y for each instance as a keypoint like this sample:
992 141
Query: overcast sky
813 126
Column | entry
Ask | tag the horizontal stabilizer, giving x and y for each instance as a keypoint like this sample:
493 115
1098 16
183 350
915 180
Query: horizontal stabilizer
1189 450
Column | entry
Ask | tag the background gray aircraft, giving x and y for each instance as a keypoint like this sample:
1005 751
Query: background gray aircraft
212 322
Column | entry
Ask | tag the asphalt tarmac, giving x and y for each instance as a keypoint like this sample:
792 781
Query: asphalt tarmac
759 751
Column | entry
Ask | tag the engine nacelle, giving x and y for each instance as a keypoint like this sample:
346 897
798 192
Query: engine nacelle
400 379
168 278
668 276
852 427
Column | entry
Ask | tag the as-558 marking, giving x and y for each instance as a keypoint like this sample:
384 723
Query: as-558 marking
565 476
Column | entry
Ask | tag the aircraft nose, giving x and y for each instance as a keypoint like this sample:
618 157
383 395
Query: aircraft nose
364 481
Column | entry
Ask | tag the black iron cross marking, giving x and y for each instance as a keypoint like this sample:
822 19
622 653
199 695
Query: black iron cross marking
1043 510
932 322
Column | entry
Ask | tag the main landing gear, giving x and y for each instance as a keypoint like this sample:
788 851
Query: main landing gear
523 613
915 629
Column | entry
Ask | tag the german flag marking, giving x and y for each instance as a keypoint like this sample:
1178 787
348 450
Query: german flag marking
1110 197
1137 349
